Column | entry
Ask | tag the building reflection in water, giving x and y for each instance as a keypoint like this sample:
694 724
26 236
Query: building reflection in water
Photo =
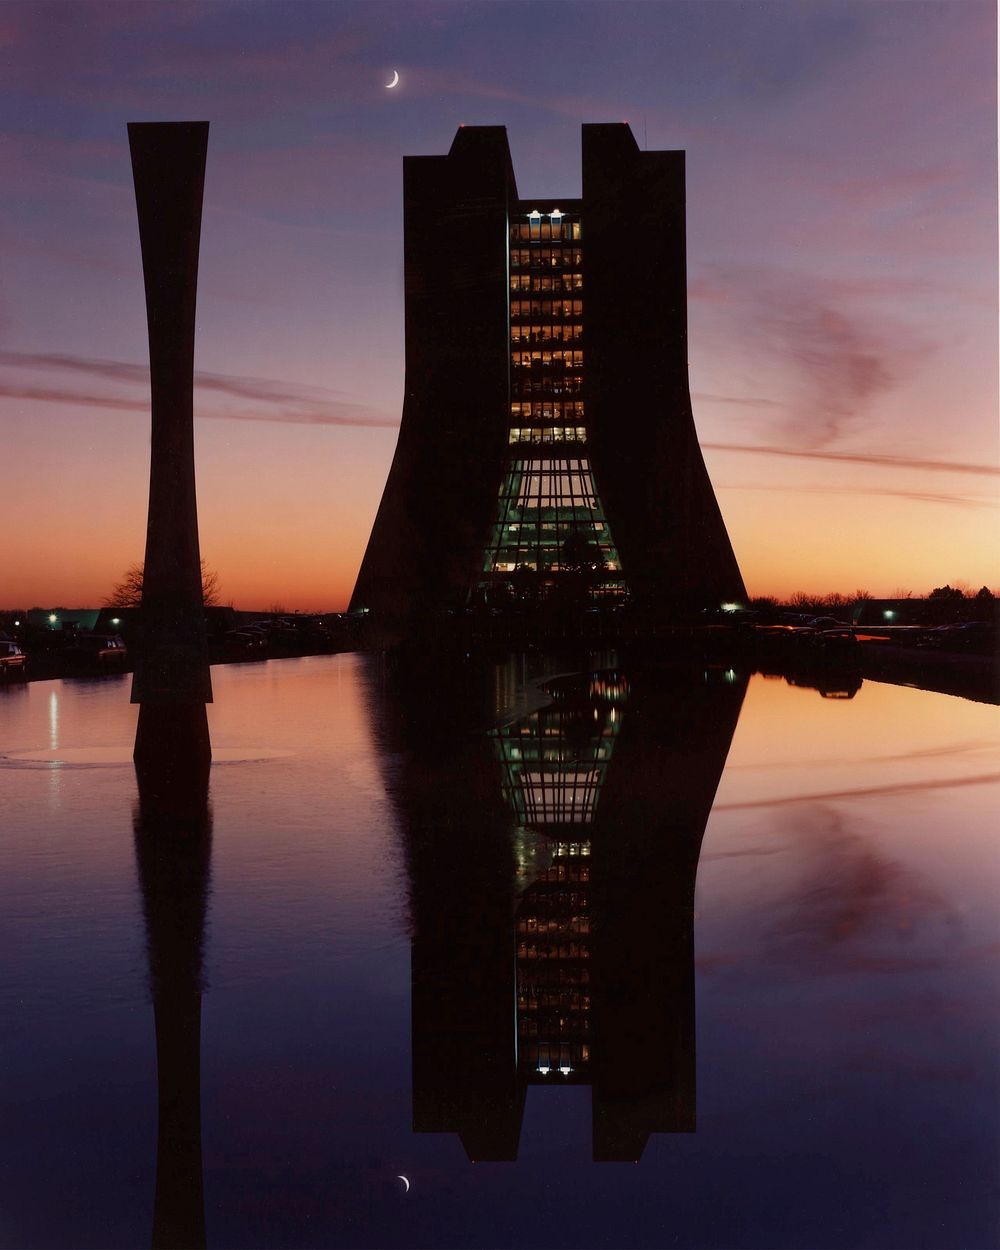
173 841
555 764
552 869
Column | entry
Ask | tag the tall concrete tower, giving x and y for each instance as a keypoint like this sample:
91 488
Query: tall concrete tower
547 441
172 682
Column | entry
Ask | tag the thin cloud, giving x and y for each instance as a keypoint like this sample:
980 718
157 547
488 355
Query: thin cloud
915 496
843 364
754 401
46 395
858 457
117 370
840 355
278 401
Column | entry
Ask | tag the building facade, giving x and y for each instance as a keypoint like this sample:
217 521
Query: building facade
547 449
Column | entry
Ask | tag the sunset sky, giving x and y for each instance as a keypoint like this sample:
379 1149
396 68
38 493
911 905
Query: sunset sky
842 253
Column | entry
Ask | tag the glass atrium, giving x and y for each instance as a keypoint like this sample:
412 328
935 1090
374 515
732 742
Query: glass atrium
550 536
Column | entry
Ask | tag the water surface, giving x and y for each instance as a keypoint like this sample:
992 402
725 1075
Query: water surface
406 909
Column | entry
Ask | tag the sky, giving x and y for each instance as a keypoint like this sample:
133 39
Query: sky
842 268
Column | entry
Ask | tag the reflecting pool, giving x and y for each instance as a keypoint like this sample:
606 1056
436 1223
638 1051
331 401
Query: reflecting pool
562 951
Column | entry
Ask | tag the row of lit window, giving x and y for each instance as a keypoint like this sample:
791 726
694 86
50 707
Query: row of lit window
541 901
545 334
560 898
531 998
549 409
549 1029
541 752
545 257
530 542
535 557
532 550
553 950
542 357
558 723
558 925
557 384
535 742
552 1027
545 538
554 1022
534 527
546 281
546 307
611 690
546 228
514 562
572 848
549 434
554 979
572 871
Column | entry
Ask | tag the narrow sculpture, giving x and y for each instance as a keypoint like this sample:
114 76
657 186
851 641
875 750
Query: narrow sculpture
172 682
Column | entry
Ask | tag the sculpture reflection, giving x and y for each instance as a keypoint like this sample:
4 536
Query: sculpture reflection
173 840
552 867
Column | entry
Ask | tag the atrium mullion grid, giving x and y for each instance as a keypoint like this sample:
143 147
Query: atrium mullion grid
544 498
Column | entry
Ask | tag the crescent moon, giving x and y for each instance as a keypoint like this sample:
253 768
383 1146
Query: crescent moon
390 85
405 1182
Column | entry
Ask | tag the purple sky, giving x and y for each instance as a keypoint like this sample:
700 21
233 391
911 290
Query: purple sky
842 241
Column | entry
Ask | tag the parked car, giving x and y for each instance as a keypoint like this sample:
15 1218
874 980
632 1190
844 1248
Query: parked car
247 644
12 658
824 622
103 651
977 637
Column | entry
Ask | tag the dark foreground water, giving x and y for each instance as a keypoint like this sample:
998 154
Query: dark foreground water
459 940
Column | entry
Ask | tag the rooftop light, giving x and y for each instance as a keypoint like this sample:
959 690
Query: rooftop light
534 213
556 213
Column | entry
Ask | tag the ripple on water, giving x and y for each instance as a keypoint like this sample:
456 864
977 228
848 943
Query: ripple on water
118 756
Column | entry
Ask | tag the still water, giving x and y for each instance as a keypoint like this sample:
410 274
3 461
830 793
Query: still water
621 958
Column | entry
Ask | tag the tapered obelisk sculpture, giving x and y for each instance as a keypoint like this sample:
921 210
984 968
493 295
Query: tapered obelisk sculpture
172 682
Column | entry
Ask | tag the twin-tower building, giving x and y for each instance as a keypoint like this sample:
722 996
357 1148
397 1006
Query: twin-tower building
547 447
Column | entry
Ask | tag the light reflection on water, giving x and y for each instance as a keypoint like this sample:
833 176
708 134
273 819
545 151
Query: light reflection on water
359 961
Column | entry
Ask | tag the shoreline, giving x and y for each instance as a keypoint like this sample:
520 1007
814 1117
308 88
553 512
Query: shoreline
974 677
